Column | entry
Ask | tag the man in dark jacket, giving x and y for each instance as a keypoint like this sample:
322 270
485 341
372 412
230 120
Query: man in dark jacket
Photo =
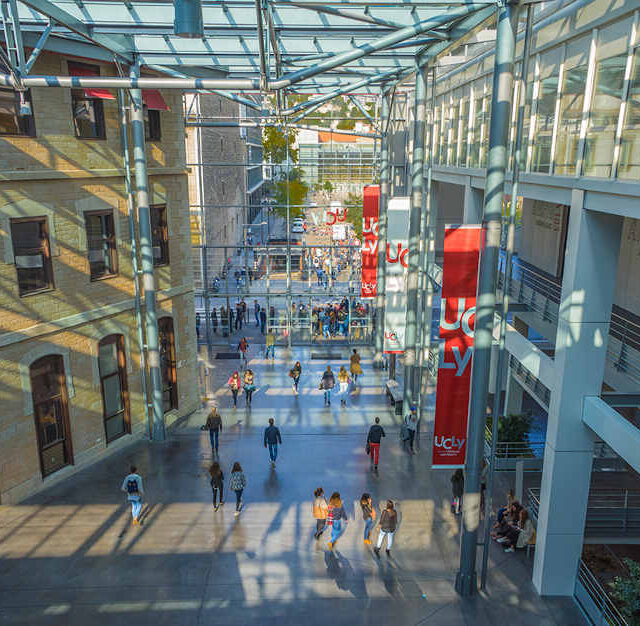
376 432
271 440
214 426
327 383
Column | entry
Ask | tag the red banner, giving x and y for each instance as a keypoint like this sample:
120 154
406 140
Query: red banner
370 210
457 324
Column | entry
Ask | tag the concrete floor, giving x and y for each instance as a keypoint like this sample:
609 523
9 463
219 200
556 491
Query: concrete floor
71 557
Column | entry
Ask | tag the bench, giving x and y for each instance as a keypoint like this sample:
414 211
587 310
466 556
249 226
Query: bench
395 391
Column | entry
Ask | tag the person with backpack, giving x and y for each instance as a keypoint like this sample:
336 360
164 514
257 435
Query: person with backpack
295 373
327 383
217 484
214 426
335 515
249 386
388 525
319 512
457 489
237 484
234 385
271 440
376 432
368 515
132 486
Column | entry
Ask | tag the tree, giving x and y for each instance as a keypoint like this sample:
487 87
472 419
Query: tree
274 145
298 191
626 591
353 203
514 429
346 125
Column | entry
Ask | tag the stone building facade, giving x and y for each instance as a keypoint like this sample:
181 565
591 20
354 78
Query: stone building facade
70 366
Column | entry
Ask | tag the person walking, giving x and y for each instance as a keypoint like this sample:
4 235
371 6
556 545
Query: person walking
376 432
230 314
263 320
457 489
411 422
214 426
368 515
248 384
234 384
224 321
295 373
132 486
271 440
319 512
214 321
256 312
239 315
217 484
388 524
198 326
327 383
343 381
245 313
243 347
237 484
335 515
271 345
355 368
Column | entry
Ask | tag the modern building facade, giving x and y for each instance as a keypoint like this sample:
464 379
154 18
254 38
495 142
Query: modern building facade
574 334
71 384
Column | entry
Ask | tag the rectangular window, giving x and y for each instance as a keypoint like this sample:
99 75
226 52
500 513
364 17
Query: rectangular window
16 113
452 153
168 364
630 147
545 115
101 244
86 104
32 253
464 133
478 121
113 381
159 235
152 128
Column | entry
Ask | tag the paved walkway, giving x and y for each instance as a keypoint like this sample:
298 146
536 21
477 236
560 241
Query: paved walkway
70 556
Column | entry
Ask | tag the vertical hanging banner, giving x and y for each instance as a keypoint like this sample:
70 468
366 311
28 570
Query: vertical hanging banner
370 212
395 269
457 324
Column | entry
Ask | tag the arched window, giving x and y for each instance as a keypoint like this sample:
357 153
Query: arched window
51 412
113 385
168 364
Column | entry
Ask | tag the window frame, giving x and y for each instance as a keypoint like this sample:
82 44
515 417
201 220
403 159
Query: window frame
78 95
152 129
112 244
45 251
163 243
30 130
121 372
166 332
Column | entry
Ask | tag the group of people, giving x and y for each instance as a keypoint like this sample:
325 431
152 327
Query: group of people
331 319
513 527
328 380
247 383
332 515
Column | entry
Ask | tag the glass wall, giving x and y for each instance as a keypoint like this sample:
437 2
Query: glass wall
630 140
477 122
464 130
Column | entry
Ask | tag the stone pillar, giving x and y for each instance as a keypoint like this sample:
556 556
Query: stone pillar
591 263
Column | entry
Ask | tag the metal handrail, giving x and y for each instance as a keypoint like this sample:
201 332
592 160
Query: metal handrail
516 449
601 498
606 612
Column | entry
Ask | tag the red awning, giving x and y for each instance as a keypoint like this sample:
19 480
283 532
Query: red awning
90 92
154 100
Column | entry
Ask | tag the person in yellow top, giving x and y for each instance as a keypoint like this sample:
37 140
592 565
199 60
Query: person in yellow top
355 368
319 512
343 380
271 344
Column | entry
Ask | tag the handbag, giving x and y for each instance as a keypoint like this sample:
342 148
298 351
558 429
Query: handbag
368 448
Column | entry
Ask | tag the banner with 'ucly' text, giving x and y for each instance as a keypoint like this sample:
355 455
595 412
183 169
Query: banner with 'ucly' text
370 211
457 323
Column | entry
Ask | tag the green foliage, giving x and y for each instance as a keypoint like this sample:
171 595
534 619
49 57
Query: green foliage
298 191
626 592
353 203
274 144
514 429
346 125
327 186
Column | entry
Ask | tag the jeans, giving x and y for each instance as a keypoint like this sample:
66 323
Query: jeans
270 350
257 314
215 495
273 451
375 452
248 393
327 396
238 498
263 323
368 525
234 393
213 437
296 380
381 537
344 389
336 530
136 506
412 436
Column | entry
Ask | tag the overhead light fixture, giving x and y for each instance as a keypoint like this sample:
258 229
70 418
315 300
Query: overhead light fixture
188 19
24 109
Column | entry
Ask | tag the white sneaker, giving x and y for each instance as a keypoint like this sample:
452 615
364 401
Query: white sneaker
502 539
511 549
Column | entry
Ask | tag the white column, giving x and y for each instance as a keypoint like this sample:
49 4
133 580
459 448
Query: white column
591 262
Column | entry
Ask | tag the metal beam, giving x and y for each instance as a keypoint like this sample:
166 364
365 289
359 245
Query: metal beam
362 110
263 56
118 44
367 19
35 53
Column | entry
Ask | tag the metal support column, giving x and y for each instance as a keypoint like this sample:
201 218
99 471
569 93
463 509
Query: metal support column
413 270
502 95
378 358
502 354
124 142
146 253
288 299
